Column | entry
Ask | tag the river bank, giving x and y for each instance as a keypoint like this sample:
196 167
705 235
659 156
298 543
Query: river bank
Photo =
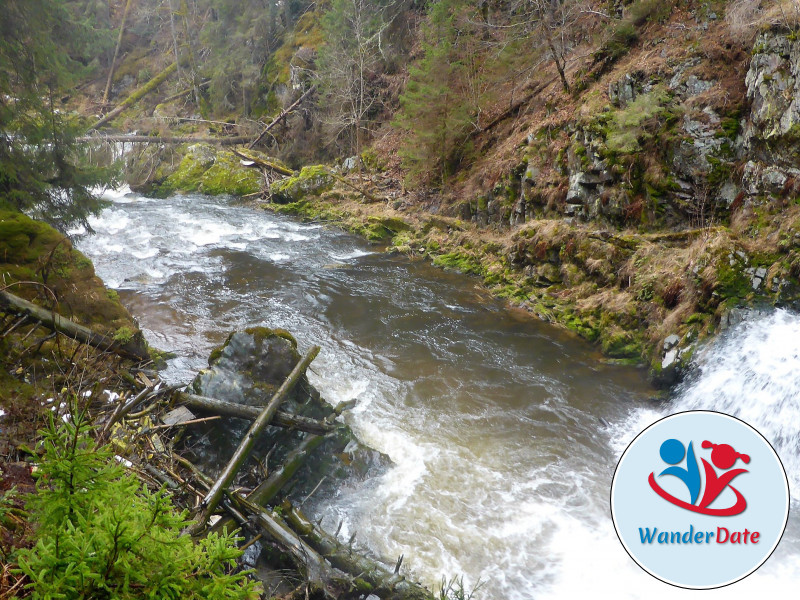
641 297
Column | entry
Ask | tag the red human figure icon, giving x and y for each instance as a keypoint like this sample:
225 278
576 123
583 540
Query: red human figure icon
724 457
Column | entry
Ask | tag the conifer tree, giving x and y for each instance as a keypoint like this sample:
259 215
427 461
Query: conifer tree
438 106
44 48
102 534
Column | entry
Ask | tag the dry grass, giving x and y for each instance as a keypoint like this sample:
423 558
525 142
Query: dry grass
745 18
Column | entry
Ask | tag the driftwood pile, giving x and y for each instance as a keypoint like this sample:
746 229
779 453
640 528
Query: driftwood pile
326 566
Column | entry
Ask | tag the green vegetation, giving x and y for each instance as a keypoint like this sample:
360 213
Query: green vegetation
211 171
312 180
101 533
45 48
439 104
33 254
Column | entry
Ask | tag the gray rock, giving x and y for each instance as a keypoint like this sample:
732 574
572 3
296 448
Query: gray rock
761 272
350 164
532 173
695 86
670 341
625 90
728 192
773 89
670 359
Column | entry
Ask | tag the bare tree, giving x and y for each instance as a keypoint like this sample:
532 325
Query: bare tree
348 65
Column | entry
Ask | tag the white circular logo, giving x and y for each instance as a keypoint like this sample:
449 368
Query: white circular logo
699 499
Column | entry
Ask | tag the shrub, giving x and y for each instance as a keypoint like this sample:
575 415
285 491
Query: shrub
102 534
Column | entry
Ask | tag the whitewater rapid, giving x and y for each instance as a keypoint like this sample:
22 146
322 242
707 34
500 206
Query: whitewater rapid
494 421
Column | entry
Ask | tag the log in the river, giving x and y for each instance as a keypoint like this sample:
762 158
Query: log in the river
154 139
246 445
260 162
84 335
384 581
270 487
231 409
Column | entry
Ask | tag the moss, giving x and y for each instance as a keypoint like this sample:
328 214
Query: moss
32 251
208 170
625 345
227 176
585 326
262 333
465 263
311 180
394 224
731 281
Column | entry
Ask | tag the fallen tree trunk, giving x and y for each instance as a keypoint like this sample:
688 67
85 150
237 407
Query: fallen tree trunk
137 95
383 580
153 139
246 445
82 334
264 163
361 191
231 409
283 114
317 569
269 488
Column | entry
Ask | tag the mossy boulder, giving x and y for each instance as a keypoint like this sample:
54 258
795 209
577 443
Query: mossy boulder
312 180
209 170
249 366
32 251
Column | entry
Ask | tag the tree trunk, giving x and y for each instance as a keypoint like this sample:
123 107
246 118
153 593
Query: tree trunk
231 409
283 114
116 50
269 488
82 334
154 139
383 580
137 95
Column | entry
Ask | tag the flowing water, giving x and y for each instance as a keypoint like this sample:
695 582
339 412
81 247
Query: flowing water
504 431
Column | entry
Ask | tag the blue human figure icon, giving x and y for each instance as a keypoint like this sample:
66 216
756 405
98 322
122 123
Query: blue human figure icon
672 452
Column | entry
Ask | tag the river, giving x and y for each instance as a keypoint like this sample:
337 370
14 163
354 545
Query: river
504 431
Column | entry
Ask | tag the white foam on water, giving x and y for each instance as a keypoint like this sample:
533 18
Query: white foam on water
349 255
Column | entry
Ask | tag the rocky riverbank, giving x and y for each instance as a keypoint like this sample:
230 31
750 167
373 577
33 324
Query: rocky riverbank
638 225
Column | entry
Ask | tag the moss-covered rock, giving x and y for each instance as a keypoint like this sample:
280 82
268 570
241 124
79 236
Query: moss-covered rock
208 170
32 251
312 180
